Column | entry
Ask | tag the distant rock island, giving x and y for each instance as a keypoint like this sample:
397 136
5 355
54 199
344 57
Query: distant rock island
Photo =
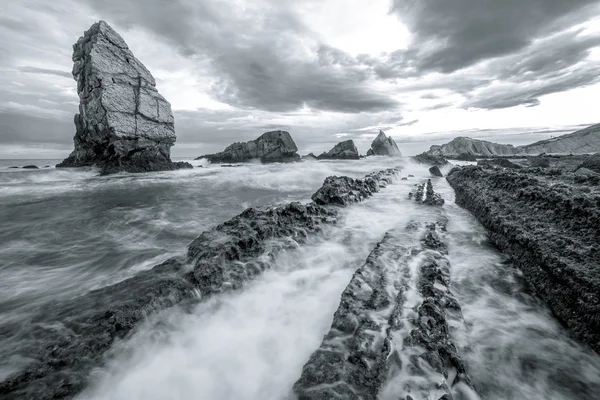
274 146
123 123
580 142
345 150
384 146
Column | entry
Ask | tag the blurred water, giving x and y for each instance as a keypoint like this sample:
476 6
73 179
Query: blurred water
65 232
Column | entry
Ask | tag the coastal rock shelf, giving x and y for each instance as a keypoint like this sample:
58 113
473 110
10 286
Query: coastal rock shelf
390 334
123 123
69 338
548 221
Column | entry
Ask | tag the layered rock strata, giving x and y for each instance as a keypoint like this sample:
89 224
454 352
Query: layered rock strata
548 221
274 146
69 338
390 334
424 194
123 123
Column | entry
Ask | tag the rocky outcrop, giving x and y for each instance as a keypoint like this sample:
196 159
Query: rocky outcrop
345 150
424 194
435 171
384 146
430 159
69 338
342 190
548 221
274 146
123 123
498 162
377 345
580 142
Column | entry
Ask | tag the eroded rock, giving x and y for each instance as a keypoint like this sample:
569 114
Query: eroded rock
274 146
123 123
384 146
345 150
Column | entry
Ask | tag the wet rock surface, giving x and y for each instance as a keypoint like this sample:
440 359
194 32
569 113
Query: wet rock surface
548 221
345 150
431 159
384 146
435 171
424 194
123 123
69 338
384 343
342 190
274 146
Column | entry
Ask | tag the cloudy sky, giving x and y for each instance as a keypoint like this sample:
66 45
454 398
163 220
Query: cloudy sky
512 71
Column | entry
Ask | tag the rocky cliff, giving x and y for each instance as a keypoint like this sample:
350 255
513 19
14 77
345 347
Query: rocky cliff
384 146
123 123
345 150
275 146
580 142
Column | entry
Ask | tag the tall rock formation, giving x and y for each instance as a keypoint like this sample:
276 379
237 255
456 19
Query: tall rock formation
384 146
345 150
123 123
465 145
274 146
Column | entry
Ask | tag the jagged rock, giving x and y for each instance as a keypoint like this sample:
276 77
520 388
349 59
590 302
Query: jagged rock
548 221
384 146
359 357
69 338
435 171
430 159
424 194
342 190
498 162
274 146
345 150
309 157
30 167
123 123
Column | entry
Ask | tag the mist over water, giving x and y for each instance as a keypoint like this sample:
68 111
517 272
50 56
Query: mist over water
65 232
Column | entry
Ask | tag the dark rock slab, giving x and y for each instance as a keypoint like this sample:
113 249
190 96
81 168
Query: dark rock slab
274 146
13 167
424 194
430 159
377 344
30 167
548 221
345 150
435 171
538 162
65 340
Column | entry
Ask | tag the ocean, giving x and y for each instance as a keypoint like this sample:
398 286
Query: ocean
65 232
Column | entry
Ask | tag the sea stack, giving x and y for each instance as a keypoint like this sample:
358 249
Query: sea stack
274 146
384 146
123 123
345 150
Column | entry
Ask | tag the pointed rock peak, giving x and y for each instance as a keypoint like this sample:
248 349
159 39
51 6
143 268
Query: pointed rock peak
381 135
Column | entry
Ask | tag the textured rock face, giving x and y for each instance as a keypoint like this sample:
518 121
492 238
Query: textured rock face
71 337
384 146
345 150
123 124
275 146
424 194
498 162
430 159
580 142
377 347
548 221
342 190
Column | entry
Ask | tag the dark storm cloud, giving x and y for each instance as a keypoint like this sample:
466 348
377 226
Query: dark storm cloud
45 71
261 54
454 34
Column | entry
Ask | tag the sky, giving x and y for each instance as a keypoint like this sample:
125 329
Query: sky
424 71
